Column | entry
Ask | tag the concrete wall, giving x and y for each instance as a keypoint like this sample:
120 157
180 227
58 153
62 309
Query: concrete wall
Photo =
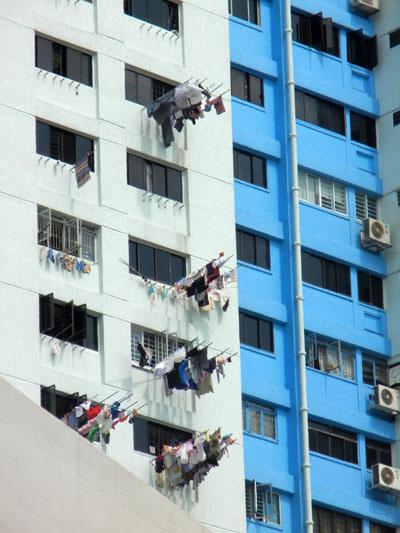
200 229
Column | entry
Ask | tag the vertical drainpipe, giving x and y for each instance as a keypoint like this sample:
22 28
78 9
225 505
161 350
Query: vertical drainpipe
306 467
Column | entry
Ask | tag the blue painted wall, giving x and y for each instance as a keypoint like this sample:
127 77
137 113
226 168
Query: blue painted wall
271 379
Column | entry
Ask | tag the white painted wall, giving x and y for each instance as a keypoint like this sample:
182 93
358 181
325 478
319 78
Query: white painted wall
201 229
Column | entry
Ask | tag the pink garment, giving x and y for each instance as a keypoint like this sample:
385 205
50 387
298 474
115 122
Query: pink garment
84 430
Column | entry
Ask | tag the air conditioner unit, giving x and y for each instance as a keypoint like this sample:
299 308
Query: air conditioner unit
375 235
386 478
367 6
386 399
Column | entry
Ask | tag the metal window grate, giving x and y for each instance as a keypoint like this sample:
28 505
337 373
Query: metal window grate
366 206
155 345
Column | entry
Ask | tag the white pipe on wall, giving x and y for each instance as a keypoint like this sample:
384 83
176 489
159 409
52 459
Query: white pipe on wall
306 466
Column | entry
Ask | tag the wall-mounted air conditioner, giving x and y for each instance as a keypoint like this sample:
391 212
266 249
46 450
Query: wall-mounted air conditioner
386 478
375 235
386 399
366 6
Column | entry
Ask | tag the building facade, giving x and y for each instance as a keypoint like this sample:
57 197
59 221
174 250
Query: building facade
77 77
341 87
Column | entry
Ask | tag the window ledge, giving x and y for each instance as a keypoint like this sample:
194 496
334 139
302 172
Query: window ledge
318 52
361 70
331 375
325 209
44 336
134 364
260 437
150 25
259 108
252 185
334 460
257 350
357 144
254 267
264 524
371 307
246 23
325 131
327 291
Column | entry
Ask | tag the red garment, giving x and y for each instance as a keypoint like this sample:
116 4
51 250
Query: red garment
93 412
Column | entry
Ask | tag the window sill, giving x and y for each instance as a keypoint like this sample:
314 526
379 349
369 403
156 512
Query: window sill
320 129
260 437
318 52
254 267
357 144
257 350
60 78
136 365
264 524
331 375
58 162
372 307
361 70
246 23
249 104
327 291
325 209
252 185
334 460
150 25
73 346
147 195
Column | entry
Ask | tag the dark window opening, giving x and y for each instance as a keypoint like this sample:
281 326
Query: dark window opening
378 452
253 249
63 145
370 289
250 168
59 403
374 372
394 38
153 177
362 50
377 528
333 442
143 89
256 332
247 87
245 9
325 273
317 32
68 322
161 13
363 129
320 112
63 60
150 437
396 118
328 521
155 264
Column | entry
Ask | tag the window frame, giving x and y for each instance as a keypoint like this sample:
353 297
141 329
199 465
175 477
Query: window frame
263 179
363 134
332 432
320 112
362 50
370 278
254 239
307 176
314 352
317 40
247 19
380 528
155 343
265 411
157 87
394 38
331 517
259 321
269 499
396 118
380 448
374 363
143 424
340 285
369 207
73 400
173 26
246 82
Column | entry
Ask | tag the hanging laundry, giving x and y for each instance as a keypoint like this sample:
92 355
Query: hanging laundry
217 103
82 171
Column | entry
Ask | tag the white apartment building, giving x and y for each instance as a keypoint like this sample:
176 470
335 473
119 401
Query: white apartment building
75 77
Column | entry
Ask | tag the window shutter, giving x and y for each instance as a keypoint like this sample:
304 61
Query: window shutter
140 435
328 34
340 198
261 504
370 50
326 194
44 53
317 31
67 326
46 313
360 206
372 207
48 398
250 512
79 326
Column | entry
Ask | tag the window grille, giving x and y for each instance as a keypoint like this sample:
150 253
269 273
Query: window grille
66 234
325 193
366 206
332 357
262 504
155 345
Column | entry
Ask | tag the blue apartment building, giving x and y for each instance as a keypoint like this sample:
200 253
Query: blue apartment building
345 324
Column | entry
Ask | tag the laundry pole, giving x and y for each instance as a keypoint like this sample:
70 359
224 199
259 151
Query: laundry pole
301 352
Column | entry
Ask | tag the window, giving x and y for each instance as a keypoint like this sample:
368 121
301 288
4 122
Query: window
370 289
262 504
366 206
155 178
59 403
259 420
68 322
250 168
161 13
253 249
396 118
394 38
325 273
247 87
378 452
143 89
375 372
63 60
376 528
363 129
245 9
317 32
327 521
256 332
156 264
362 50
398 198
66 234
63 145
149 437
320 112
325 193
333 442
155 344
332 357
